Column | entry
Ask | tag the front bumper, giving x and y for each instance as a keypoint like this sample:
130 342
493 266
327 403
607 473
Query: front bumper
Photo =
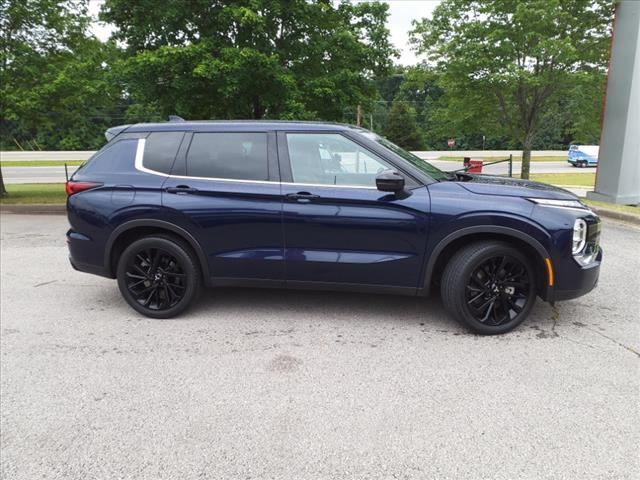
583 280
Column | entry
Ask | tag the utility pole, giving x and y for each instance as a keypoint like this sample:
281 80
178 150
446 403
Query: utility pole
618 174
358 115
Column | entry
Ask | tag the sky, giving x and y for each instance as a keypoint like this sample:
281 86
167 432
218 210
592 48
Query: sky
401 13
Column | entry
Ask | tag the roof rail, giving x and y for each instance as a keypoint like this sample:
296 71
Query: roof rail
176 118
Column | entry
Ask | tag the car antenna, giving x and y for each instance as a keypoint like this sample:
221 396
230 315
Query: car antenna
175 118
66 171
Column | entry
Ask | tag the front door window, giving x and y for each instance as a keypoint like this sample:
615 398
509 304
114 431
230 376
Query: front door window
331 159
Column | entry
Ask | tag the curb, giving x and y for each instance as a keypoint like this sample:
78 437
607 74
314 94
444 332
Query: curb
61 209
35 209
625 217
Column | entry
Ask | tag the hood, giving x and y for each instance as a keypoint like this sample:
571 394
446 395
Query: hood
513 187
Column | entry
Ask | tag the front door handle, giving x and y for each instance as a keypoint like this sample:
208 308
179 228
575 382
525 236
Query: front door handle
181 190
302 197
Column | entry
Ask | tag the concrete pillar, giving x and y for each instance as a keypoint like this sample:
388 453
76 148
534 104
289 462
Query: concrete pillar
618 176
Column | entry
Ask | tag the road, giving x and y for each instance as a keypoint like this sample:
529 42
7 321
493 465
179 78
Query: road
56 174
300 385
35 174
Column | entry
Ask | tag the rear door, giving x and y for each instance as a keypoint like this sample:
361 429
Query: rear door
224 188
338 227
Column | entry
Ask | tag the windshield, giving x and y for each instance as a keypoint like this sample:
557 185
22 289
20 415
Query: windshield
414 160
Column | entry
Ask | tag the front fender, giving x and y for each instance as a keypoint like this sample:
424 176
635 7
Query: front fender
492 225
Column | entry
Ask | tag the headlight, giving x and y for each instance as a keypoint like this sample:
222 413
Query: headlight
584 242
579 236
559 203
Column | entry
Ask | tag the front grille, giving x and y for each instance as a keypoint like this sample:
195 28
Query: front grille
594 227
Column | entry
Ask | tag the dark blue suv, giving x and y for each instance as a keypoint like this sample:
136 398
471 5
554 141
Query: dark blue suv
170 207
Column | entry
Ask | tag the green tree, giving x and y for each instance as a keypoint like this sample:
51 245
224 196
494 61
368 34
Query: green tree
420 88
31 32
402 127
55 83
583 104
389 85
251 58
505 63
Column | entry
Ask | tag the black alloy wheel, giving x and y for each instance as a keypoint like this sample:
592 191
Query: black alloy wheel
490 287
158 276
155 279
497 290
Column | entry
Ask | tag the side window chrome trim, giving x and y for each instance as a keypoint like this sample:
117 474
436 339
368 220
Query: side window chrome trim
212 179
140 167
329 185
140 157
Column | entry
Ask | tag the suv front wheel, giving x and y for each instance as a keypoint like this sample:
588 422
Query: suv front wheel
489 287
158 276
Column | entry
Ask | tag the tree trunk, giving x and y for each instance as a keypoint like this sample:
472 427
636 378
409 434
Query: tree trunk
526 161
258 111
3 191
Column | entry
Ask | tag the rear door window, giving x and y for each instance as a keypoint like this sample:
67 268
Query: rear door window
233 155
160 150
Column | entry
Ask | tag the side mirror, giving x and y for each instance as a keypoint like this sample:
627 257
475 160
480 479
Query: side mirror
390 181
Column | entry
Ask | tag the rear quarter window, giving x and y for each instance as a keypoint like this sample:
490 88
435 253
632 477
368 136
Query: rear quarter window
114 158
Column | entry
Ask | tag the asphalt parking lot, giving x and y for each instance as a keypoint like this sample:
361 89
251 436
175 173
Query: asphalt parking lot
300 385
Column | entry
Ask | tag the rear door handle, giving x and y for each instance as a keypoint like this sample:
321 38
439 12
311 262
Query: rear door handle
302 197
181 190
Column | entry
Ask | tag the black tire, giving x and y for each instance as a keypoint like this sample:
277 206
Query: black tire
159 276
489 275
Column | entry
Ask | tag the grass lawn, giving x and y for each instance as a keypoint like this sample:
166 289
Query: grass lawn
515 159
569 179
40 163
612 206
20 193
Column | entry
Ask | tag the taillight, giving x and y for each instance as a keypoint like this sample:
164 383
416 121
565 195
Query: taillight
77 187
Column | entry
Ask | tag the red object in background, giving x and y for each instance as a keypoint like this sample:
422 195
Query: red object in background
476 166
451 142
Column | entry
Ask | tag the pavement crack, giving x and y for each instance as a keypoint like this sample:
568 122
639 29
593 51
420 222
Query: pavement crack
44 283
577 342
631 349
542 333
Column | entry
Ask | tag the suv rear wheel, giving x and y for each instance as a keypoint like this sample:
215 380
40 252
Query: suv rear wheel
158 276
489 287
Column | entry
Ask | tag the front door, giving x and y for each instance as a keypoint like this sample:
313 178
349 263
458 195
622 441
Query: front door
338 228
